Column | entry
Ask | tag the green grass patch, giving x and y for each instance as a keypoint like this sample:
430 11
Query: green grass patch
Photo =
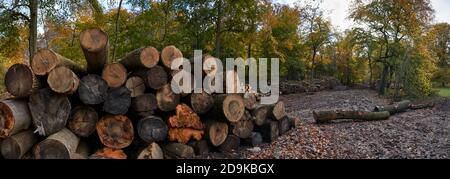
444 92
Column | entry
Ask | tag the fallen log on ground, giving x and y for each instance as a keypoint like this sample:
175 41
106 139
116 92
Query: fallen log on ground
328 116
394 108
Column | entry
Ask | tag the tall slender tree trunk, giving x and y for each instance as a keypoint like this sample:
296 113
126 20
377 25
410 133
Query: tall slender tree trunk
33 28
313 66
117 31
384 77
218 28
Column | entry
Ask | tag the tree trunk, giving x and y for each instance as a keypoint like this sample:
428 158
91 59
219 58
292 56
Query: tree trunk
49 110
230 107
46 60
178 151
254 140
328 116
200 147
269 131
17 145
20 81
169 54
14 117
115 75
144 103
216 132
147 57
166 99
117 101
93 89
154 78
152 129
395 108
218 28
384 75
94 43
153 151
62 80
115 131
201 102
117 30
231 144
136 86
109 153
60 145
82 121
261 114
32 39
244 127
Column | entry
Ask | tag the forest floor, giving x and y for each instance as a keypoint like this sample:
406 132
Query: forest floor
421 133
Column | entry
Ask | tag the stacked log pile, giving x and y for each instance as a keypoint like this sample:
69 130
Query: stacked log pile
124 110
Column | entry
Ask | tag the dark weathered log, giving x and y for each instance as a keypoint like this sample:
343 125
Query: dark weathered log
118 101
49 111
269 131
284 125
261 114
154 78
94 43
20 81
169 54
228 106
63 80
93 89
45 60
178 151
216 132
250 101
153 151
60 145
115 131
144 103
152 129
115 75
166 99
200 147
109 153
421 106
136 85
277 111
14 117
17 145
254 140
201 102
146 57
231 144
244 127
82 152
82 121
394 108
328 116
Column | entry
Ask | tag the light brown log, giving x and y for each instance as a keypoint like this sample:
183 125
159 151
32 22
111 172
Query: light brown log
153 151
394 108
269 131
82 121
109 153
250 101
185 118
169 54
166 99
152 129
178 151
144 103
14 117
93 89
57 146
231 144
146 57
244 127
136 85
20 81
216 132
115 131
17 145
254 140
200 147
183 135
277 111
229 107
261 114
117 101
63 80
201 102
50 111
45 60
115 75
328 116
94 43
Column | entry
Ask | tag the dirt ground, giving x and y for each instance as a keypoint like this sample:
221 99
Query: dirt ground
420 134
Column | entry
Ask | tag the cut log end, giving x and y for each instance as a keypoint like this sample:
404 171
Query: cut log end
63 80
153 151
93 89
201 102
19 80
136 85
82 121
233 107
115 75
169 54
57 146
279 111
157 77
166 99
149 57
14 117
115 131
44 61
93 40
177 150
152 129
217 133
118 101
